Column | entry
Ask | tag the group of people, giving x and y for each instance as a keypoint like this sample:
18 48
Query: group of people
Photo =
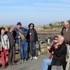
26 40
23 37
59 51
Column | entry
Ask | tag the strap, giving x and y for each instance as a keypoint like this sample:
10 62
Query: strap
21 32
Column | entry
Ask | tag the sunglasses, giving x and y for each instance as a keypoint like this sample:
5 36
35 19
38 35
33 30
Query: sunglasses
55 39
31 26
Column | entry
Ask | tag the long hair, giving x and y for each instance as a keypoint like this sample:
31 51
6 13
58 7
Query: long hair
2 28
30 25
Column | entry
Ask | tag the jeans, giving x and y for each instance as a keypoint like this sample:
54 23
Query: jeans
45 64
33 48
23 50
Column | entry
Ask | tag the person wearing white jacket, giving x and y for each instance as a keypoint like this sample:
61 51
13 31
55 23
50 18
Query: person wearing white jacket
4 47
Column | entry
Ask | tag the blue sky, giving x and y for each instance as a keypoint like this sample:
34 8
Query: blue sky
36 11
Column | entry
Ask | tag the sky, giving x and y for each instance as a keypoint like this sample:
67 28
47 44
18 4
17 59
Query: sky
38 12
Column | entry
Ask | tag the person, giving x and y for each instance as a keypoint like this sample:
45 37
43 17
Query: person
59 54
4 46
32 38
11 56
46 63
21 41
65 32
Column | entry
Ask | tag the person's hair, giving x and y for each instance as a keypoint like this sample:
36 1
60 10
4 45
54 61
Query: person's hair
55 37
31 24
2 28
61 37
10 27
68 21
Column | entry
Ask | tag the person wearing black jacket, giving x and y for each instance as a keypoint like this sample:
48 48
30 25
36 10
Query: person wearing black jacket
59 54
11 57
32 38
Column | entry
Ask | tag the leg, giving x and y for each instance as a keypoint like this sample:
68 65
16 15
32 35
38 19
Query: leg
10 56
5 55
34 49
3 58
25 50
21 50
13 54
28 50
45 64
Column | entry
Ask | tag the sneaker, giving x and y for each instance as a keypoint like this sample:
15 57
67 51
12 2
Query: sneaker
31 58
35 57
25 61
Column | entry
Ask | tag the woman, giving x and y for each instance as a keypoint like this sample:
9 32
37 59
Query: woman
47 62
32 38
11 55
4 46
59 54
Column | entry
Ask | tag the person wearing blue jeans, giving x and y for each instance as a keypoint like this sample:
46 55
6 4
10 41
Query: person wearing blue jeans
23 50
32 38
20 36
46 63
33 45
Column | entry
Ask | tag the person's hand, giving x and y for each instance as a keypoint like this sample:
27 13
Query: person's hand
0 49
19 37
50 56
30 33
52 52
48 47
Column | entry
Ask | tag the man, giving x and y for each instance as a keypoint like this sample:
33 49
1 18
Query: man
66 33
21 41
11 57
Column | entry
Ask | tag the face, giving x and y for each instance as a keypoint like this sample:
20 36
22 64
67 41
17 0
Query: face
12 28
2 31
60 40
18 26
55 40
31 26
66 24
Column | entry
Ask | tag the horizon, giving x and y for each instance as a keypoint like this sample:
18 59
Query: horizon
38 12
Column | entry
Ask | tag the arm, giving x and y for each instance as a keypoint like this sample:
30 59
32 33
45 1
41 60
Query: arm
8 43
5 41
36 36
62 31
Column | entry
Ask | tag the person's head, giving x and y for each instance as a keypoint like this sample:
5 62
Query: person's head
60 39
2 30
11 28
55 39
66 24
31 26
18 25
